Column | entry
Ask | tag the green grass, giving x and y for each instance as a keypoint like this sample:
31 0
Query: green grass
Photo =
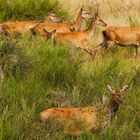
41 71
28 9
37 78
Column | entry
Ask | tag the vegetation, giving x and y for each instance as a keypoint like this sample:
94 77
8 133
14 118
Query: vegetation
39 75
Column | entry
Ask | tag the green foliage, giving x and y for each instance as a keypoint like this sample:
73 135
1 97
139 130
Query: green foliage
23 96
28 9
13 59
45 75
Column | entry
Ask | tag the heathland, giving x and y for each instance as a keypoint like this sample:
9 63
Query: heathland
38 75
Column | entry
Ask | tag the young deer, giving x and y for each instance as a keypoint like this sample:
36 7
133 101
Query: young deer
21 27
62 27
80 38
77 120
122 36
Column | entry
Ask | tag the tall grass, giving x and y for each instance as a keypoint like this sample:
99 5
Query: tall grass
44 75
25 94
28 9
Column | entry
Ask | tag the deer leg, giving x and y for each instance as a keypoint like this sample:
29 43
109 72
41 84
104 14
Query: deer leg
90 52
102 44
30 36
136 52
110 44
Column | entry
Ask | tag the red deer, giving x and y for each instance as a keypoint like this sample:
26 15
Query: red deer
80 38
21 27
61 27
122 36
92 118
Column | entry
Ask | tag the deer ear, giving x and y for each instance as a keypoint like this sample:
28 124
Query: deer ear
109 88
124 88
82 8
51 10
72 29
96 14
45 31
54 31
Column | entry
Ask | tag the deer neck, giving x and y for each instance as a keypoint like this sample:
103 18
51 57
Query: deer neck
47 20
107 113
113 107
78 23
91 28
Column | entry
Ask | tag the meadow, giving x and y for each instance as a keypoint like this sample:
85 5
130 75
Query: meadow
39 75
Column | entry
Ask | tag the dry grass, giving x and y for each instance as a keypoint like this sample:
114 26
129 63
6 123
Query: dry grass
113 12
110 10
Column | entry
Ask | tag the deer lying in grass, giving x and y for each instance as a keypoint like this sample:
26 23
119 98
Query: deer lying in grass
21 27
61 27
122 36
80 38
91 118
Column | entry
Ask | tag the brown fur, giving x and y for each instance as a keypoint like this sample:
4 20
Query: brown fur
123 36
17 28
72 116
91 117
21 27
80 38
61 27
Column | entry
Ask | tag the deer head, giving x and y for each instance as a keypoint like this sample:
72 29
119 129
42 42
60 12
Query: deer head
99 21
52 17
85 15
117 95
49 35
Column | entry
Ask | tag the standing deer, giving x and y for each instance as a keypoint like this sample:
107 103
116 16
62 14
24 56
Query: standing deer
122 36
80 38
21 27
77 120
62 27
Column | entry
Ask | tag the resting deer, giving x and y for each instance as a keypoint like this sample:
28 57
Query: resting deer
91 118
122 36
21 27
62 27
80 38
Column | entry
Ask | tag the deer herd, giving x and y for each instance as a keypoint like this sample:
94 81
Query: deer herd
52 27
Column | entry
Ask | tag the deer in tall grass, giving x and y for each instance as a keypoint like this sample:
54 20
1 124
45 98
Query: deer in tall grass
122 36
80 38
21 27
80 119
62 27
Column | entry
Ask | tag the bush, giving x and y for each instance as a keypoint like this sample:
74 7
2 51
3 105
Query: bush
13 59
